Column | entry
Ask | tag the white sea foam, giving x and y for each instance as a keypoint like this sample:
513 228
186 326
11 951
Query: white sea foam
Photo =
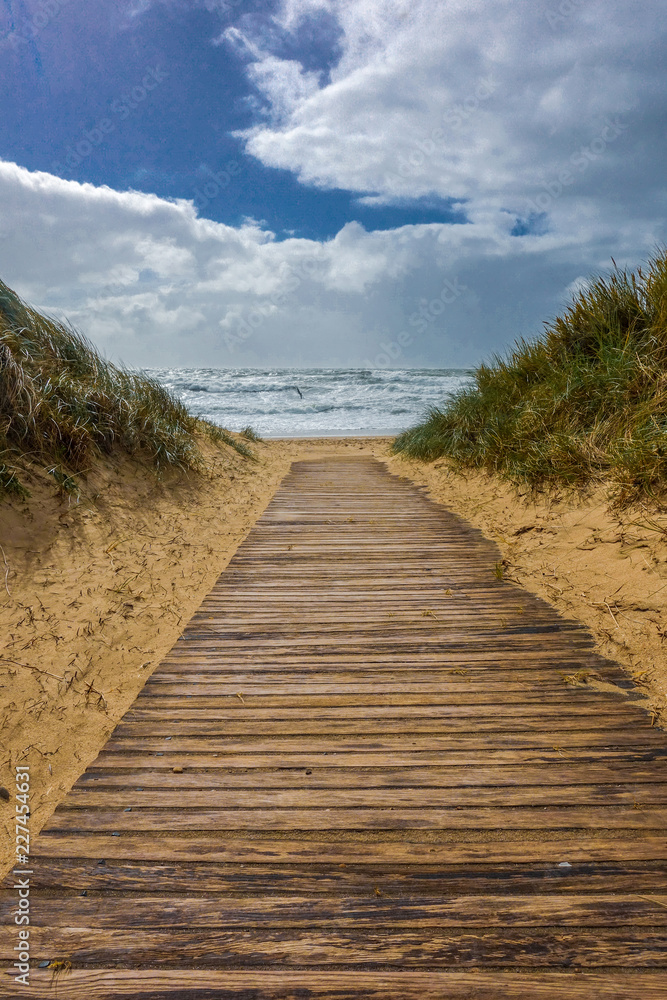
288 402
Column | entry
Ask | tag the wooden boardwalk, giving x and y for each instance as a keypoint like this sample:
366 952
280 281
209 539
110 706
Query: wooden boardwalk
361 773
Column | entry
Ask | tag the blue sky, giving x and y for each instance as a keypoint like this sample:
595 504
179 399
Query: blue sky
82 69
289 182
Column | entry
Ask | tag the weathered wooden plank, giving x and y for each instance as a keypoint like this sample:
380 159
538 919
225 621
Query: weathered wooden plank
371 912
611 715
207 666
428 617
280 676
226 757
358 818
337 984
640 740
473 777
433 612
347 676
458 692
310 724
207 649
428 640
396 879
522 947
439 678
333 796
190 647
214 847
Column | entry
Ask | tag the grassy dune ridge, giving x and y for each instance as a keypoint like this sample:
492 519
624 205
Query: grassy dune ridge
586 402
62 404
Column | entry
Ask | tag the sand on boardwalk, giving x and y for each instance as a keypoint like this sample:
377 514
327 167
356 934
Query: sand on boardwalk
93 594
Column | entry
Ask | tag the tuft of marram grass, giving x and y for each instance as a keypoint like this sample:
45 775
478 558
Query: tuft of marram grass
585 402
62 404
220 435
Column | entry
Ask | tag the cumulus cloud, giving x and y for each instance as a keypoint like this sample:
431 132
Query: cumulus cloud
543 122
154 284
483 101
151 282
283 82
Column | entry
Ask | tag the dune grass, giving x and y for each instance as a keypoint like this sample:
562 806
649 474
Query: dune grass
62 404
585 402
250 434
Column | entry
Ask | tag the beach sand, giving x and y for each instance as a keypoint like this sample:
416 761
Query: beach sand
96 592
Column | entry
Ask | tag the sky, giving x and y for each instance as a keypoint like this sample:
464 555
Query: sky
336 183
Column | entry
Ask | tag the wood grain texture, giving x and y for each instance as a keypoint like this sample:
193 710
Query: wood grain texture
453 777
460 875
383 946
536 818
369 912
157 845
330 796
368 768
271 984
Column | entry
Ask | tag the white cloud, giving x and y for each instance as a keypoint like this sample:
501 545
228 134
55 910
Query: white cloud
151 282
155 285
514 111
284 82
484 102
550 112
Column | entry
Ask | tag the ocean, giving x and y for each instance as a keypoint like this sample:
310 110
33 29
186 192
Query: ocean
314 402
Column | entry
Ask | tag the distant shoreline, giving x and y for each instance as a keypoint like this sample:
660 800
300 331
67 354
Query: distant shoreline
334 436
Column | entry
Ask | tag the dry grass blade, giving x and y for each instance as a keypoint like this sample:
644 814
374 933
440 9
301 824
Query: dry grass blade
90 688
62 404
4 557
